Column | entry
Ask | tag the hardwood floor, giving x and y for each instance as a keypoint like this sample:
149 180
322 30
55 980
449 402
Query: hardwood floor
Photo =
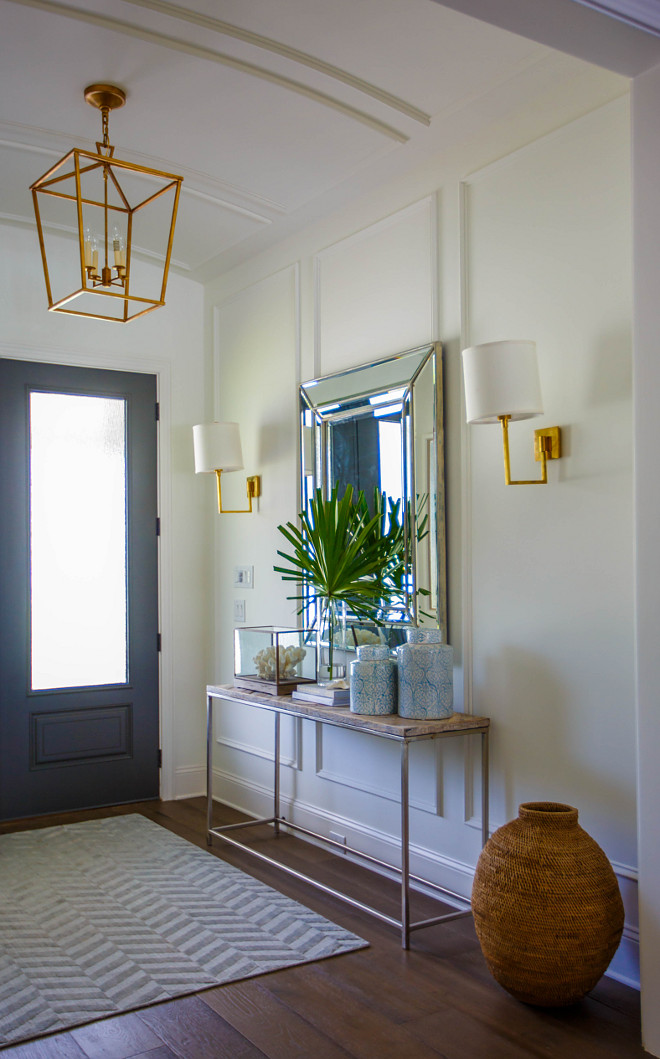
438 999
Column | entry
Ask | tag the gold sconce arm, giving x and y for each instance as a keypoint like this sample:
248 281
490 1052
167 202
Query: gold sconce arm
253 491
547 446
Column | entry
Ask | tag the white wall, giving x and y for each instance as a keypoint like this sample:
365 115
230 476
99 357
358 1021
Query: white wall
551 636
540 605
646 166
169 343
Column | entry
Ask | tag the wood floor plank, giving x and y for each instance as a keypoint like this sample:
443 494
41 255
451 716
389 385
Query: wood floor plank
192 1030
117 1038
59 1046
157 1053
457 1035
263 1019
362 1032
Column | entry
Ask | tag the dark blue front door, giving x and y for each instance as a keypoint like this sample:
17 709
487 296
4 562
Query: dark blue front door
79 710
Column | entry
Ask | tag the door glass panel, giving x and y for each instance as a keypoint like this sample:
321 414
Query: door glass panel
78 554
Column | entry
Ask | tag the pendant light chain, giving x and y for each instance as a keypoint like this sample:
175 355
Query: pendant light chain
105 120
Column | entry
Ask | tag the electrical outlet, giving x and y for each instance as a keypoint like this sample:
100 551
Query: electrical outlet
243 576
336 837
239 610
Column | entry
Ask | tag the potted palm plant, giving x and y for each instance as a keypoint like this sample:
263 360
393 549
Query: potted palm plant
347 558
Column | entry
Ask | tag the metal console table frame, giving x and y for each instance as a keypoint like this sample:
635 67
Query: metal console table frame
398 729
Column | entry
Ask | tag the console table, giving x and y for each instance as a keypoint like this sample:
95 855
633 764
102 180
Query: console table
400 730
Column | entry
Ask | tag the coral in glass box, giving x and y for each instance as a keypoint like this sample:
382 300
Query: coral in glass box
273 660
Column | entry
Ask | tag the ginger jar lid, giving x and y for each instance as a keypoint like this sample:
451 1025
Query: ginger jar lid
424 636
372 651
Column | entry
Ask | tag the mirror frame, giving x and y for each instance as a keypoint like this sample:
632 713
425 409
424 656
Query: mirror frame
363 381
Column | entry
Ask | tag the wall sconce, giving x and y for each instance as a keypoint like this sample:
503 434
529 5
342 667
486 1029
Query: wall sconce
502 384
217 449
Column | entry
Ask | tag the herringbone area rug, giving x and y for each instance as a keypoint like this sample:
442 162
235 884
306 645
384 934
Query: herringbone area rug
110 915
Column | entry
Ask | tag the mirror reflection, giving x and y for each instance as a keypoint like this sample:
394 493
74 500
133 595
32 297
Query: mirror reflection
379 428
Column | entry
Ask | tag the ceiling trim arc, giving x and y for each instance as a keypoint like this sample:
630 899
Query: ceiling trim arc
227 29
66 230
200 52
233 207
219 193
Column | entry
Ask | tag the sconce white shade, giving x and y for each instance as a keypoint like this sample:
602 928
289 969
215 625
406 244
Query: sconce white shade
217 447
501 378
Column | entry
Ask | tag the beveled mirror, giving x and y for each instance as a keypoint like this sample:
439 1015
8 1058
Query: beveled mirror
380 427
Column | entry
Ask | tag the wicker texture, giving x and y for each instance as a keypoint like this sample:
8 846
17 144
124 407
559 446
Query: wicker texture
547 907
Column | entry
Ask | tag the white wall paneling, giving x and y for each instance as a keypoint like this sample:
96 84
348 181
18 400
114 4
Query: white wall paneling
256 339
363 764
552 639
240 737
536 245
376 290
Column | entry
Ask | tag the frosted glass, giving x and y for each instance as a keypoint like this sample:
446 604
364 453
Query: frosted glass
77 540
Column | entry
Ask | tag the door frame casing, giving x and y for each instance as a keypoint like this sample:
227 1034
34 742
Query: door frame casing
161 369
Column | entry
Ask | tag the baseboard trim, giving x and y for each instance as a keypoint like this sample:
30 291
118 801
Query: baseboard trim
189 782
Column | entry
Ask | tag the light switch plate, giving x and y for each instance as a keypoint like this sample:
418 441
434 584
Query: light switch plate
239 610
244 576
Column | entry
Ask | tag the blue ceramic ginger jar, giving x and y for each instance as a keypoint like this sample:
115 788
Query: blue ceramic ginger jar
373 680
426 675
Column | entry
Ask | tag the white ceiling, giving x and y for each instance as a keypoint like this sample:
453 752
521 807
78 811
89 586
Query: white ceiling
274 111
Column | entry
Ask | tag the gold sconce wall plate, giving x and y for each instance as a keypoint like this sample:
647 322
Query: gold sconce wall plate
553 449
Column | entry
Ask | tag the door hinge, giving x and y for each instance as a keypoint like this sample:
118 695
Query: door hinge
157 411
160 758
158 527
159 642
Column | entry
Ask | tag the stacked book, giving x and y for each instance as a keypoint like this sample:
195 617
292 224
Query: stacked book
322 695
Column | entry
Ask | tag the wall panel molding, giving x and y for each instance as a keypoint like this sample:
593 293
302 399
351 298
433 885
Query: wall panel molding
253 750
432 805
416 315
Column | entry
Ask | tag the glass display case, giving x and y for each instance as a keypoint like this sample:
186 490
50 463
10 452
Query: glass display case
273 659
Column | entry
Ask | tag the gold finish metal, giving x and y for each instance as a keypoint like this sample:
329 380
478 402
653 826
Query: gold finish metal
547 446
105 258
105 96
553 434
253 491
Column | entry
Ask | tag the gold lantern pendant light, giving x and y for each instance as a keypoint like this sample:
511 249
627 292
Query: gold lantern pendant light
104 278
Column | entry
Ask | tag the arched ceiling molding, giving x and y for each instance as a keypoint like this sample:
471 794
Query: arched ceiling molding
66 230
216 25
197 185
200 52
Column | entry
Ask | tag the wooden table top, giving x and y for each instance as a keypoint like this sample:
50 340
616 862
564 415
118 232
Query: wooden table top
390 725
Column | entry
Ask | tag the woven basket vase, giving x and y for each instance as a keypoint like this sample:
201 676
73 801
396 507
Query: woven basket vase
547 907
